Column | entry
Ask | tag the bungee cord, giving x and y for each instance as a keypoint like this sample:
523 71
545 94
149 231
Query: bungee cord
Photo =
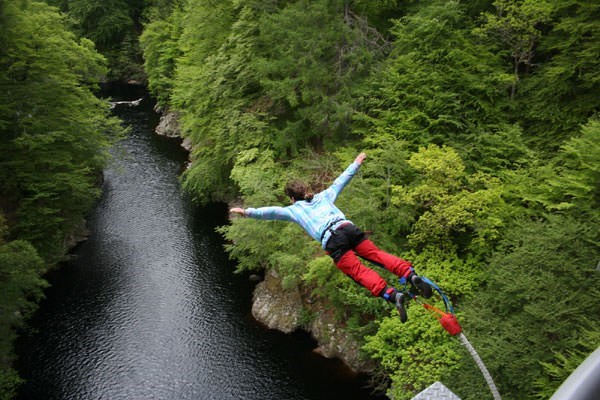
449 322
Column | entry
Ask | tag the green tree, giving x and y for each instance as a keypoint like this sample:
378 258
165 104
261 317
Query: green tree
413 356
439 85
20 289
216 93
54 134
54 130
159 43
568 57
541 282
455 218
255 74
517 25
569 183
456 212
311 52
538 300
114 27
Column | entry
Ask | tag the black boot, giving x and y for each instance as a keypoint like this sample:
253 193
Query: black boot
399 300
418 283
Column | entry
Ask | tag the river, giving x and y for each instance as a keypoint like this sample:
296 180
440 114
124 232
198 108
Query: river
149 306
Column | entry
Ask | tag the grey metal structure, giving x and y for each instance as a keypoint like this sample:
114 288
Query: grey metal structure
437 391
584 382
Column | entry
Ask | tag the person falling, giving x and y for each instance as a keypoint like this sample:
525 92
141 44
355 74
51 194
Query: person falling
341 239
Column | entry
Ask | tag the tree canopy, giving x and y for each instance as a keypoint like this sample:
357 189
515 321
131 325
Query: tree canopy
479 121
479 118
54 136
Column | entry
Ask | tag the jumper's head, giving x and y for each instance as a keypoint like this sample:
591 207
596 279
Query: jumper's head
298 190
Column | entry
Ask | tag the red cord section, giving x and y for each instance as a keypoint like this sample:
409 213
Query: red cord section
447 320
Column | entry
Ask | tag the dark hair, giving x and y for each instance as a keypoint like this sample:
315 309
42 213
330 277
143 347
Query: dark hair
298 190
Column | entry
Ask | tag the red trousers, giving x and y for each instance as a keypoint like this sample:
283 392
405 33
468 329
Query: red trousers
351 265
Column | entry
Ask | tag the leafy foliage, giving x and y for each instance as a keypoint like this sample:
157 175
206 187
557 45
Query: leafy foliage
113 25
214 92
478 118
399 347
479 123
455 93
21 284
54 134
567 57
545 273
517 27
159 43
20 289
454 209
54 131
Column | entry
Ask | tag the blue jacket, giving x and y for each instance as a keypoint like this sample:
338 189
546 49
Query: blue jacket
319 216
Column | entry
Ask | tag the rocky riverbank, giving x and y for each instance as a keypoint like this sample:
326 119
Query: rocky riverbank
289 310
169 126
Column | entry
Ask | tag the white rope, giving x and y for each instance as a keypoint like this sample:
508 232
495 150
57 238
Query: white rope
481 365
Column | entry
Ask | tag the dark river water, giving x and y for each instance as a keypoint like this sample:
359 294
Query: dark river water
149 307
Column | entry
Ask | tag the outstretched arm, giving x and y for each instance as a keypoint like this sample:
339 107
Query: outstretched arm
342 180
269 213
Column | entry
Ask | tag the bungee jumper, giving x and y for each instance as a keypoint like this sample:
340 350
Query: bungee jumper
345 242
342 240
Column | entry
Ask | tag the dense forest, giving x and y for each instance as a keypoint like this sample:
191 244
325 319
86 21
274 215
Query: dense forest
479 120
480 123
54 136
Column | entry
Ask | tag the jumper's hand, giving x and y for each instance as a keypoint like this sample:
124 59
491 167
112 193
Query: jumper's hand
360 158
237 210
